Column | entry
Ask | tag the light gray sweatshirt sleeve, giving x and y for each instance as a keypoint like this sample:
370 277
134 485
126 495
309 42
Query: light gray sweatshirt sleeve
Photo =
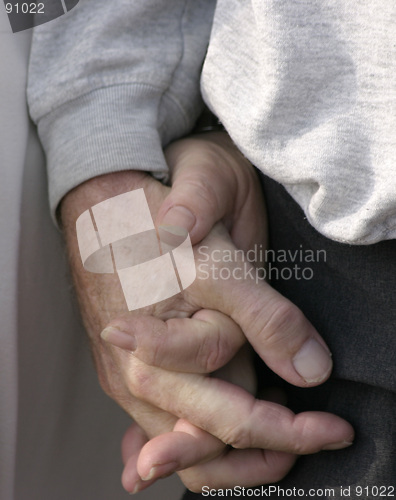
112 82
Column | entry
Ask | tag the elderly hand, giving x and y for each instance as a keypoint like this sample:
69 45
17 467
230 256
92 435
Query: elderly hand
198 332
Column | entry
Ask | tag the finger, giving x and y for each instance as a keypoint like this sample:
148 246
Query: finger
131 445
234 416
280 333
238 467
203 343
185 446
222 467
212 181
133 441
199 198
151 419
277 330
130 479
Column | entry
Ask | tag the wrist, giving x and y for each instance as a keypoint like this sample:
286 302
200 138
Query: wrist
98 189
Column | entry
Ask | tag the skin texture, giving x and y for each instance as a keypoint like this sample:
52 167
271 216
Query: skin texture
192 419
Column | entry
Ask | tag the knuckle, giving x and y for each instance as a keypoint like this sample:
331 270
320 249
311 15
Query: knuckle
253 429
298 446
239 437
139 381
282 324
203 357
154 353
302 442
211 354
123 378
204 194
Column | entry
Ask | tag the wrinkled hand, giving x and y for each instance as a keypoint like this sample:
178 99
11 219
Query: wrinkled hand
222 409
275 328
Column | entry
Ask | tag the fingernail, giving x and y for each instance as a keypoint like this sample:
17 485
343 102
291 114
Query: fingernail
179 217
139 486
136 489
172 236
161 470
119 338
313 361
337 446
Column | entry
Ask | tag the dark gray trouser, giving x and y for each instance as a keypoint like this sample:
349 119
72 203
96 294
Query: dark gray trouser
350 299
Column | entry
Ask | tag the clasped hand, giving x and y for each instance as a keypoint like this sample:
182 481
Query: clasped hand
155 362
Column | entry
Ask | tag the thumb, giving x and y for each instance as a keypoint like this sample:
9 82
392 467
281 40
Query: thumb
212 181
280 333
200 196
277 330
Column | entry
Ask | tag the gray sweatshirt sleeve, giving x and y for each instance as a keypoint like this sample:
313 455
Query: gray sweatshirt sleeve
112 82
